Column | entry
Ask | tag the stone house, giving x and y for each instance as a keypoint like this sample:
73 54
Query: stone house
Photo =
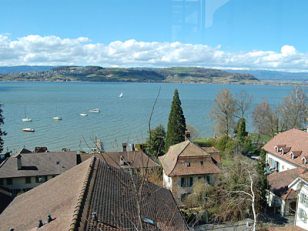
184 164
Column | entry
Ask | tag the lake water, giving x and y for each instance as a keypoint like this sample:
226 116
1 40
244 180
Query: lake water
121 119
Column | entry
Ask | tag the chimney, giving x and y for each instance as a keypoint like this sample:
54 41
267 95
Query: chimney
133 147
124 146
122 161
40 224
49 218
187 135
18 160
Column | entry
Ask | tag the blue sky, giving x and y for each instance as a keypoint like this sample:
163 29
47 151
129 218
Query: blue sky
235 27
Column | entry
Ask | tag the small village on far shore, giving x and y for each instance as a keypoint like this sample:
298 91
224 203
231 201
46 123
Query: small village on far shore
175 180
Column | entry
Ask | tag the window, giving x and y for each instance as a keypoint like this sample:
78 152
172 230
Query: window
302 215
187 181
9 181
187 164
46 178
201 162
28 180
1 182
208 179
39 179
304 199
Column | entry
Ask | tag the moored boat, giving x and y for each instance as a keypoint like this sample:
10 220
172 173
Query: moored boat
57 118
83 114
94 110
26 119
28 130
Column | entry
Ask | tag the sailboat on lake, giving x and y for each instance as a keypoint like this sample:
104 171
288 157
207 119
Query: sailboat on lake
121 95
26 118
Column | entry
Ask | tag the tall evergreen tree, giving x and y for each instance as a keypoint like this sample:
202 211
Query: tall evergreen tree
2 133
156 142
262 183
176 123
240 130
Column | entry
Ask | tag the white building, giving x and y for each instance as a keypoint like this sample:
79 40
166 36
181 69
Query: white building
300 184
287 150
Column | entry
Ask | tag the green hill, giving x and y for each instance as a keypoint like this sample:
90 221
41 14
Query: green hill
100 74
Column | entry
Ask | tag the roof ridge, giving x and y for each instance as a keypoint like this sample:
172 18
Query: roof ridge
80 200
188 142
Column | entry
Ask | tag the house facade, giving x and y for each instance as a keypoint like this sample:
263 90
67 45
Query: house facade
287 150
185 164
301 219
286 158
281 197
22 172
300 185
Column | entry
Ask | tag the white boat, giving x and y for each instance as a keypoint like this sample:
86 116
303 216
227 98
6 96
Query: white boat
26 119
121 95
83 114
94 110
28 130
57 118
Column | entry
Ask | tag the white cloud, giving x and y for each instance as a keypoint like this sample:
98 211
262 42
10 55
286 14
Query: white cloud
53 50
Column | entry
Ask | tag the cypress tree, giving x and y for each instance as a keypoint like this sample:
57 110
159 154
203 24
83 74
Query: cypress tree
240 131
2 133
176 123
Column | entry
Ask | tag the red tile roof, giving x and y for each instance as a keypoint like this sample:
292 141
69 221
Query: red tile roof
93 187
38 164
132 159
279 181
293 143
186 158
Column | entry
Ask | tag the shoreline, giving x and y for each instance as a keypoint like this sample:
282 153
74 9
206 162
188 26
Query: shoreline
261 82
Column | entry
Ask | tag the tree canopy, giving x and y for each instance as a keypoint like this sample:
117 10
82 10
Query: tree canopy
294 110
176 123
223 112
156 141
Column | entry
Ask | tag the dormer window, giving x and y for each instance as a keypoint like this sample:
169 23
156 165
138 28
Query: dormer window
278 148
305 160
295 154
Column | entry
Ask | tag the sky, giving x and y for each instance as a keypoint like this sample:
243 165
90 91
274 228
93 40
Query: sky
237 34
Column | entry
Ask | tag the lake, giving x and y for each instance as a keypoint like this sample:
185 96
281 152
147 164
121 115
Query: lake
120 120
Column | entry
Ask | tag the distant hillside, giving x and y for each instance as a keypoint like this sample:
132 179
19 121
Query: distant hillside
16 69
276 75
100 74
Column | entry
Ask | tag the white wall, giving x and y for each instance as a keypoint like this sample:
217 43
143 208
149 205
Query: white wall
299 222
167 181
19 183
283 164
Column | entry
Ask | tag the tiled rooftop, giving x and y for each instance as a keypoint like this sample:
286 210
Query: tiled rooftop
291 145
279 181
94 196
34 164
132 159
